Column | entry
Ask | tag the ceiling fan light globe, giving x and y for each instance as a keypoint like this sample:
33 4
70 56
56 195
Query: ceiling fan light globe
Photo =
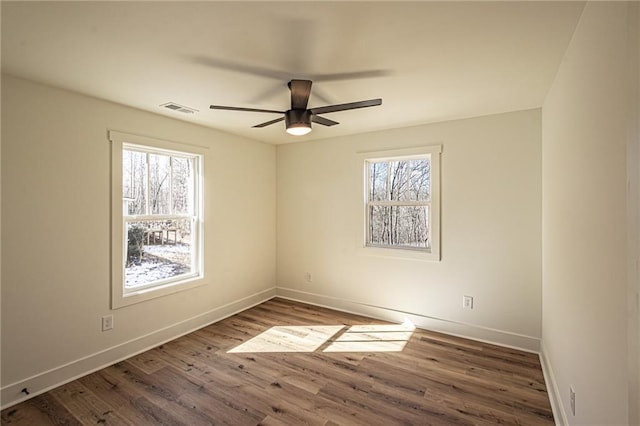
299 130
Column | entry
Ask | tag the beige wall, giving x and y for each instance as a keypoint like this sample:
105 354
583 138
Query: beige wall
56 235
491 227
634 394
633 209
585 225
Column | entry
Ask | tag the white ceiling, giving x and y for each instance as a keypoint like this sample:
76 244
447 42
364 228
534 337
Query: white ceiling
428 61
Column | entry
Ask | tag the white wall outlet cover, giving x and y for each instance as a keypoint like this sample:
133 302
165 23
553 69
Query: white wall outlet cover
107 322
467 302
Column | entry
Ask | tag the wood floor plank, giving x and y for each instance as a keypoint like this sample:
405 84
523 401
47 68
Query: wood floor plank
85 406
42 410
164 395
108 389
147 362
431 369
194 394
429 379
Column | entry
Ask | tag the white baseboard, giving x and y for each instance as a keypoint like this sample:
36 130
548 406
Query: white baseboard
469 331
47 380
559 414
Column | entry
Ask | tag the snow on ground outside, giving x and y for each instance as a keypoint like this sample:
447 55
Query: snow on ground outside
160 262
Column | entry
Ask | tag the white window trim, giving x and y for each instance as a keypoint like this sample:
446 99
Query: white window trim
120 298
432 254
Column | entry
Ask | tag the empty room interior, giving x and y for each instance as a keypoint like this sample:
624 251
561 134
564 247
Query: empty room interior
320 212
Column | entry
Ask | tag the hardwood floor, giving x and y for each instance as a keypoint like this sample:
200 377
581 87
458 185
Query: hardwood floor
434 380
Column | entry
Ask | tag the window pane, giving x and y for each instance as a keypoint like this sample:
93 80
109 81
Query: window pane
159 184
410 226
379 225
134 175
157 250
378 181
399 226
420 180
182 185
399 187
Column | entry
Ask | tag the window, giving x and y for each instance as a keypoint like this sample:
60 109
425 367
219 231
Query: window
402 200
157 218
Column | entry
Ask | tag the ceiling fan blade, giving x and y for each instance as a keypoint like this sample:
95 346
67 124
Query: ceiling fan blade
323 121
268 123
240 67
343 107
300 91
229 108
355 75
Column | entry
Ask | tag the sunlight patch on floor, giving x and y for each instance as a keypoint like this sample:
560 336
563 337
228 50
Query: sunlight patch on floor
299 338
310 338
373 338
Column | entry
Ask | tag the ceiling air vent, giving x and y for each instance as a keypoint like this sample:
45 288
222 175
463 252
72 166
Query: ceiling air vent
180 108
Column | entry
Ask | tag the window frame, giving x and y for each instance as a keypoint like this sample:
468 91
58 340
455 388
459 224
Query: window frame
120 296
423 253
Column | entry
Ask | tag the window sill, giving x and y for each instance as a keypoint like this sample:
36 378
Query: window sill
133 296
400 253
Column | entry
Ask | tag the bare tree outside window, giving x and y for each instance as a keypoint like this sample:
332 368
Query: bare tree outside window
398 203
158 195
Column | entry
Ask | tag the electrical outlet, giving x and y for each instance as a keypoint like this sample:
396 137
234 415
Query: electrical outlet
467 302
107 322
572 399
308 277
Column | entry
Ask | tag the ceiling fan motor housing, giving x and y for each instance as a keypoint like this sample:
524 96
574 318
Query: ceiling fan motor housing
297 118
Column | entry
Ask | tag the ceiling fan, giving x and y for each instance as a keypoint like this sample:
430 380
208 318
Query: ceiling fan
298 119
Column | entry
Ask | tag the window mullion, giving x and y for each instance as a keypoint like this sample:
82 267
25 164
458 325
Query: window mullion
156 217
388 191
132 177
193 189
146 186
170 185
409 173
368 191
397 203
387 215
